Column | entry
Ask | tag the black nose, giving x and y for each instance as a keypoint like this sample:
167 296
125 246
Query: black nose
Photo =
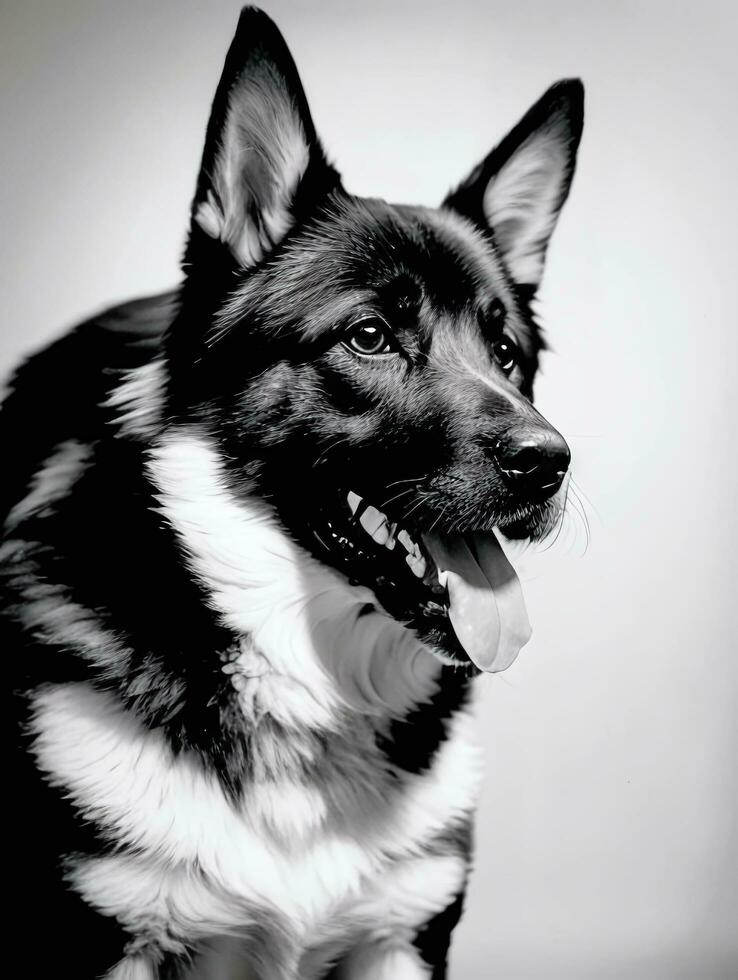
532 461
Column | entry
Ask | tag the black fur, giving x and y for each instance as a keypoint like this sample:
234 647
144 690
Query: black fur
257 356
434 939
413 741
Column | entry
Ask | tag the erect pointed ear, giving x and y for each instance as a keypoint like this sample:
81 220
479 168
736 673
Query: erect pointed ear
262 164
518 190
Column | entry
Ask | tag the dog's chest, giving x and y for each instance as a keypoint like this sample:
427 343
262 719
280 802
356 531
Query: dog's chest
337 851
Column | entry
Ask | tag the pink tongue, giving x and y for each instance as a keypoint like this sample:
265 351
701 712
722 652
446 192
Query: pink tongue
486 605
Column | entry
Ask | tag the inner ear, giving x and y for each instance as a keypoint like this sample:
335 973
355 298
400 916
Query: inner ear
520 187
261 148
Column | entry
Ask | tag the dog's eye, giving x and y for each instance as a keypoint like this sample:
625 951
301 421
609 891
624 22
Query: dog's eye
506 354
369 336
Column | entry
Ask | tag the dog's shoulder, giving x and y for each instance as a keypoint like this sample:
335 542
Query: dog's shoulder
56 399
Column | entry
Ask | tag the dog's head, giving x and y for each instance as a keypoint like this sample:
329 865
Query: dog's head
369 367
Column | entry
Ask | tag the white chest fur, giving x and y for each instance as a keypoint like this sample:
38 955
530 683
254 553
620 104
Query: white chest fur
328 644
205 866
327 846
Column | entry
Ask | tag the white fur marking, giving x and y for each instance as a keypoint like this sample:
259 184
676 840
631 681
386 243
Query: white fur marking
52 481
138 400
205 866
388 960
204 861
52 616
134 967
326 652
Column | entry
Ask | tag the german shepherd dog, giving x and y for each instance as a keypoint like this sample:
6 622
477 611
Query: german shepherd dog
252 561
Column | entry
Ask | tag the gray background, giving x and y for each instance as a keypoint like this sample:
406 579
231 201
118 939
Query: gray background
607 842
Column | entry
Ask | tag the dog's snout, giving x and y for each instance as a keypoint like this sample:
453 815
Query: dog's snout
532 461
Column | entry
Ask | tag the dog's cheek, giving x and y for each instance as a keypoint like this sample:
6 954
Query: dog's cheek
343 391
290 413
258 413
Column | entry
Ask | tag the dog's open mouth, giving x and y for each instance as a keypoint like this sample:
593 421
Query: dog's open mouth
458 591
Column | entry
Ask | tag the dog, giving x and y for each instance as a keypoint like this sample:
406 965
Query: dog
252 562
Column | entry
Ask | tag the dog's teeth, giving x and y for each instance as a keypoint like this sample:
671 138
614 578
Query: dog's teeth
382 535
353 500
375 524
408 544
416 565
437 608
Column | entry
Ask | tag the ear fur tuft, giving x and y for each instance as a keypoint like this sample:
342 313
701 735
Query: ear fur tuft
259 146
518 190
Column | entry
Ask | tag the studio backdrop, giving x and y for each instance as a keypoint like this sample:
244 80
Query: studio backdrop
606 839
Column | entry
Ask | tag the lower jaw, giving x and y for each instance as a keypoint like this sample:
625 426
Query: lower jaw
537 521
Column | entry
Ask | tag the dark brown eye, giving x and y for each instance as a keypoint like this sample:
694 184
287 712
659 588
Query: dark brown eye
369 336
506 354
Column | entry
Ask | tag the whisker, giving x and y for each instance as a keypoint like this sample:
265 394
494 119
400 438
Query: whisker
582 496
397 496
334 445
439 518
559 525
410 479
579 509
407 513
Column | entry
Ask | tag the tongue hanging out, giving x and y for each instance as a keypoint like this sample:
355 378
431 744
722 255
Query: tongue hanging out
486 605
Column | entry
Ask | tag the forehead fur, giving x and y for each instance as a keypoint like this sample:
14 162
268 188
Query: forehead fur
355 254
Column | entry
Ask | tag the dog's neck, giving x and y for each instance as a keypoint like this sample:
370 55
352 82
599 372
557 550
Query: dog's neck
314 648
